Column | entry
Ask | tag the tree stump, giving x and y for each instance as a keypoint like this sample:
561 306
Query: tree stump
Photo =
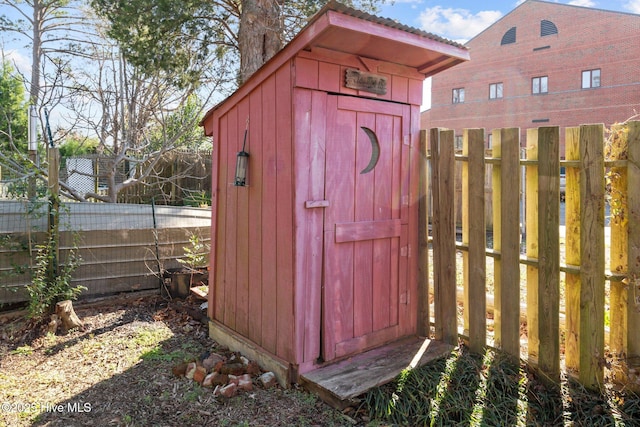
65 312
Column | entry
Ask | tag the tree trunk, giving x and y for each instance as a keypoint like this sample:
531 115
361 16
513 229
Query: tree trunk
259 35
68 317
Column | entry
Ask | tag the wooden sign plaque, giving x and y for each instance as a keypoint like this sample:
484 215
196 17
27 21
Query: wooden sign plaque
356 79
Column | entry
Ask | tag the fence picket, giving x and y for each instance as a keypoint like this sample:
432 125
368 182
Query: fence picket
572 250
633 251
444 236
474 235
423 240
507 221
549 249
531 224
618 249
584 254
592 255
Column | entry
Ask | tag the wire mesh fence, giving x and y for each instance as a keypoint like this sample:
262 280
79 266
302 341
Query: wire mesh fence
123 247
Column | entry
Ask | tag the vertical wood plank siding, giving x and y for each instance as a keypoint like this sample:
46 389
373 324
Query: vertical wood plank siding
254 281
268 212
284 210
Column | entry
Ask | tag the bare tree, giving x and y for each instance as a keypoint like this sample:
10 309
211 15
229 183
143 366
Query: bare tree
132 112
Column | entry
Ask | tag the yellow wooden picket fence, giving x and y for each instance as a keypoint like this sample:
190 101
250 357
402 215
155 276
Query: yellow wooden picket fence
572 294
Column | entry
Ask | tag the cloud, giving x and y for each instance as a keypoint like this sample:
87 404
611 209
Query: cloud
584 3
633 6
457 24
18 60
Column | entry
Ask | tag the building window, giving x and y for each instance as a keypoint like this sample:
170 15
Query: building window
547 28
509 37
490 141
590 79
458 95
495 90
540 85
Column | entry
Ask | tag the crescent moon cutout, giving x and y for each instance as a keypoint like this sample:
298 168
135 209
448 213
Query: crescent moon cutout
375 150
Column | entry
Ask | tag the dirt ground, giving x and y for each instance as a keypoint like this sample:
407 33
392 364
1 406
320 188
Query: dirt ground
118 371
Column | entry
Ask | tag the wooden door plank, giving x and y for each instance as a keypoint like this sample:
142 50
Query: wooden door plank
364 195
313 280
367 230
396 204
340 187
383 261
310 124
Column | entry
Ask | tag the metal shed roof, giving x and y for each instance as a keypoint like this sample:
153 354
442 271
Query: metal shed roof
343 29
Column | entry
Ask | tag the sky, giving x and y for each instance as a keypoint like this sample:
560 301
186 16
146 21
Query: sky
458 20
461 20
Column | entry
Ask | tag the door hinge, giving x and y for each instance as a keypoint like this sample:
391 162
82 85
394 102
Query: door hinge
405 251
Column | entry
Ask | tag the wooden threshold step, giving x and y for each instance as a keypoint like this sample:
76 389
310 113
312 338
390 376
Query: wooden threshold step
340 383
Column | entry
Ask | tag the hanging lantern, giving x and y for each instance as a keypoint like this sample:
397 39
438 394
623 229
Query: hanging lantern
242 162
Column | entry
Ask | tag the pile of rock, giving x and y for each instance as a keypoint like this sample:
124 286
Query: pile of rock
226 373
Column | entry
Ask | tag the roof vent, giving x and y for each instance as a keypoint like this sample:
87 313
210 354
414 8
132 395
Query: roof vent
509 37
547 28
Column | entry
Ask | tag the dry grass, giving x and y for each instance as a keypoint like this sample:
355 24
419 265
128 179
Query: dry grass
118 371
120 366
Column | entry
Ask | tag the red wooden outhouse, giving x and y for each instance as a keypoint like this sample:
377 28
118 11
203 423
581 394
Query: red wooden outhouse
314 258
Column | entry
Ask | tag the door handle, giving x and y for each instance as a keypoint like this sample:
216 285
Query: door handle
310 204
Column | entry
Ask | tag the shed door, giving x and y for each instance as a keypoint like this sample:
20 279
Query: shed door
366 223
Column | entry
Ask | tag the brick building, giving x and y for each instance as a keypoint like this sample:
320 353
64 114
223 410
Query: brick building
543 64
